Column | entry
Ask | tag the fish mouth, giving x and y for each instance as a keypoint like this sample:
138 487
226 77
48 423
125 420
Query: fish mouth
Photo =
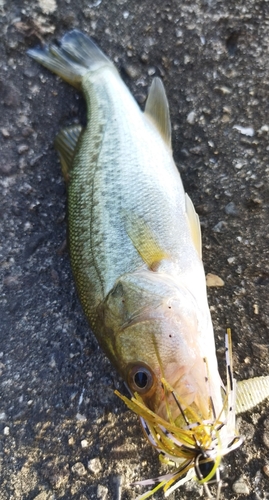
192 444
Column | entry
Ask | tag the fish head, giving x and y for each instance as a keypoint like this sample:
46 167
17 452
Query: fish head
161 340
153 330
162 343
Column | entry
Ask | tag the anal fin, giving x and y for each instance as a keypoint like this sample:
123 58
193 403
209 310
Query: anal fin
65 143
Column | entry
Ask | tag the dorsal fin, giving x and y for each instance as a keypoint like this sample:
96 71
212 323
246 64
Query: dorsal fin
194 225
157 109
65 143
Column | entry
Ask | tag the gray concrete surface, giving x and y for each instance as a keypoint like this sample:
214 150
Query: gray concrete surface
58 411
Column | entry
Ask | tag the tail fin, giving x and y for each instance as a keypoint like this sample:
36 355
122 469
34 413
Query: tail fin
76 55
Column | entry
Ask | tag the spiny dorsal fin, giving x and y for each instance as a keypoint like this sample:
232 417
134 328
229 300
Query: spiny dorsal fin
194 225
157 109
65 143
251 392
144 241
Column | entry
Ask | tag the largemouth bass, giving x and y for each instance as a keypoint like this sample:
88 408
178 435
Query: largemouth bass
135 248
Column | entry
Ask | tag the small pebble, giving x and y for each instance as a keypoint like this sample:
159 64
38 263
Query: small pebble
231 260
81 418
256 200
22 148
266 424
84 443
255 308
141 98
27 131
44 495
35 159
220 227
22 163
102 492
79 469
47 6
191 117
239 165
248 131
231 209
52 362
264 128
6 431
214 280
223 90
2 367
240 487
6 168
11 281
131 70
266 470
225 118
151 71
187 59
265 438
5 132
94 465
144 57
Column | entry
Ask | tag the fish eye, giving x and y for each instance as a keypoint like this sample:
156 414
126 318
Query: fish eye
140 378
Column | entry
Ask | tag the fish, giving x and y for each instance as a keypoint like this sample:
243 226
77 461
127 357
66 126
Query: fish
136 256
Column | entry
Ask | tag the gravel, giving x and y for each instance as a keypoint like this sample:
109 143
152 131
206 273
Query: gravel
56 386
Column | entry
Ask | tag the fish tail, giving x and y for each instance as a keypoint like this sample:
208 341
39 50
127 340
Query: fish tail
75 56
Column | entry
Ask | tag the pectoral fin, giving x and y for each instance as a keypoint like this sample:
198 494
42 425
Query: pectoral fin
144 241
251 392
66 143
157 109
194 225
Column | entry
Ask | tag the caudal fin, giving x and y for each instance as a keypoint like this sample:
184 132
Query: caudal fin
76 55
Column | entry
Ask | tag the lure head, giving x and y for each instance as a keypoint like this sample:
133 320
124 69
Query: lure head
162 343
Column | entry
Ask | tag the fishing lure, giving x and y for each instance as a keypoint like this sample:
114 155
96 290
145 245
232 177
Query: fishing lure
194 449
